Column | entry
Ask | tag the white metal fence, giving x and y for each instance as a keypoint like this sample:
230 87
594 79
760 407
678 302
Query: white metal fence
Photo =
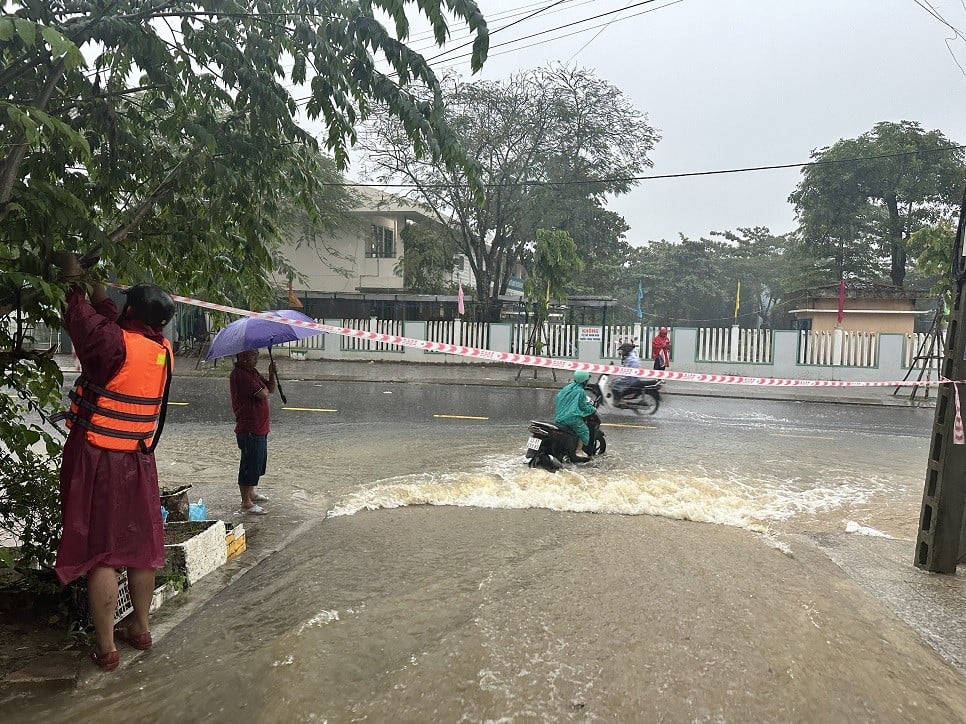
458 332
730 344
854 349
549 340
36 336
380 326
921 352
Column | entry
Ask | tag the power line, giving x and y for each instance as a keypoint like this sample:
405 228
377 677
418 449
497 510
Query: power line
598 33
451 63
570 25
306 99
500 29
656 177
957 35
505 15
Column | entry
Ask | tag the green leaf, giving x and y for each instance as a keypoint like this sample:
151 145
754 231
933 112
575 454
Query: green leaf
27 31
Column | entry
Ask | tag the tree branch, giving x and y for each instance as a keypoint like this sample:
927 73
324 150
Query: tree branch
11 164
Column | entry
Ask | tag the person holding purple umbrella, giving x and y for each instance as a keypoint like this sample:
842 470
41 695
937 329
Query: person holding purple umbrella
249 401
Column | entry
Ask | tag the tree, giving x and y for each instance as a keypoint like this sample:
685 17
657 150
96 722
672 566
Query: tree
165 139
555 264
933 247
429 258
548 146
694 281
862 198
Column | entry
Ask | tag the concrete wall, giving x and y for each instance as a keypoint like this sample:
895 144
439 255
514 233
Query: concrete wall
889 365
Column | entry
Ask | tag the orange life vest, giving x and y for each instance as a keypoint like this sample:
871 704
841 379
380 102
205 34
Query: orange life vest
124 414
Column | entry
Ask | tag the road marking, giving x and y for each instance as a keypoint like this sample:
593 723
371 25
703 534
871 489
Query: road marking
182 404
461 417
621 424
310 409
803 437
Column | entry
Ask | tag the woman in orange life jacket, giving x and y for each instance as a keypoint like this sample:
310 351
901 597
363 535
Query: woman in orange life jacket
110 502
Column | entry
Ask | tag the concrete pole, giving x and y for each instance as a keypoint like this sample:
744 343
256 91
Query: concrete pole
939 542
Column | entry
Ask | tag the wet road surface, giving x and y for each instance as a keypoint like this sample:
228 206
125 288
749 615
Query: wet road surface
422 573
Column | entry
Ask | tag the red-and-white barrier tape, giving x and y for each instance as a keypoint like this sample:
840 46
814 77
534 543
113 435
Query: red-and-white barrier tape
959 438
560 364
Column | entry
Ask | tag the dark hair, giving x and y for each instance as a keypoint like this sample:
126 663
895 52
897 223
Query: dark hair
151 304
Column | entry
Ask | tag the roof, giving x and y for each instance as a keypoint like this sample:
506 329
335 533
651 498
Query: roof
856 289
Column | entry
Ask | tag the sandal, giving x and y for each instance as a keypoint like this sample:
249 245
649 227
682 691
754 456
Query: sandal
141 642
108 661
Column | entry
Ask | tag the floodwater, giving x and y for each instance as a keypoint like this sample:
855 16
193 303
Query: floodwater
423 573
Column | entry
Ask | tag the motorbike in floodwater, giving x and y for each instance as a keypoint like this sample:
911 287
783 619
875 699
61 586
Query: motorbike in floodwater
551 445
644 398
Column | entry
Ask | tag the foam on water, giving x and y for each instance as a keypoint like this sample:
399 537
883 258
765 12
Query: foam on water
747 499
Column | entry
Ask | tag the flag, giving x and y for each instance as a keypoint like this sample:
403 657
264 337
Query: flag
841 301
293 301
460 305
737 301
640 299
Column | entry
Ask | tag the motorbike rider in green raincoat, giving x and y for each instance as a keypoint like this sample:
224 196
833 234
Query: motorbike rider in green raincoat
571 407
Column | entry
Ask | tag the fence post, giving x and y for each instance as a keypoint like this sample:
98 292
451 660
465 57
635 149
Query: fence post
837 338
733 347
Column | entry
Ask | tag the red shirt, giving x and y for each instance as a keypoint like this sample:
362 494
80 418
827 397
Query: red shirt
251 413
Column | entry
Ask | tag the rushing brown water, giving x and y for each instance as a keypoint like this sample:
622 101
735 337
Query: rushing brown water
426 574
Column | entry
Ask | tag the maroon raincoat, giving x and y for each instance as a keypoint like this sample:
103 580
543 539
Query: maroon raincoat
110 503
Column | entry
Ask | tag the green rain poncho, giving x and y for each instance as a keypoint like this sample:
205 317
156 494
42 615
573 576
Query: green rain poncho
571 407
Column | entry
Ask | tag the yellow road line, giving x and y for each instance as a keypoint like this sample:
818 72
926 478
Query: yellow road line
461 417
803 437
310 409
621 424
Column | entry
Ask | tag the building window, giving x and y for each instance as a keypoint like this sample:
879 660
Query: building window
383 243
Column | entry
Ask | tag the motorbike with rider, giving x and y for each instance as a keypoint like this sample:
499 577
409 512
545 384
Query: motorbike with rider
575 433
641 395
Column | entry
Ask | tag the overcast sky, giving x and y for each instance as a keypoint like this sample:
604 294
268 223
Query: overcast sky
738 83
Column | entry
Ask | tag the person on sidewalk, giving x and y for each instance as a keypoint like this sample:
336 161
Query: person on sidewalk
249 401
110 501
661 350
571 406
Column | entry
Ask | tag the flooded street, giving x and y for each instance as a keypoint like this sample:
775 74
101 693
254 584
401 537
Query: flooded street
423 573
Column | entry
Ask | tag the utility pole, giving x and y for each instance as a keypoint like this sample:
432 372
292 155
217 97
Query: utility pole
940 541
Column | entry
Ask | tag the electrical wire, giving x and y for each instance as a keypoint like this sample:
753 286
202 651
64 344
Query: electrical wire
655 177
454 61
563 27
957 34
598 33
500 29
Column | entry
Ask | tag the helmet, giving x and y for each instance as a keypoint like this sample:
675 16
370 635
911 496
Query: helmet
149 303
581 376
625 349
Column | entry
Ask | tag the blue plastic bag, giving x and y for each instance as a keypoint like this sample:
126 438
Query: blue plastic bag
197 511
164 515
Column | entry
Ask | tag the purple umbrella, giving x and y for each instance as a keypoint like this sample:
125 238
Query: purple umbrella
255 333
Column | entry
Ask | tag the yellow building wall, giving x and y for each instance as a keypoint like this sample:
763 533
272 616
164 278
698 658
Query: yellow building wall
856 321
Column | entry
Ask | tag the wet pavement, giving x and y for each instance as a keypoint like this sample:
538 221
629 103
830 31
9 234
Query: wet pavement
628 617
